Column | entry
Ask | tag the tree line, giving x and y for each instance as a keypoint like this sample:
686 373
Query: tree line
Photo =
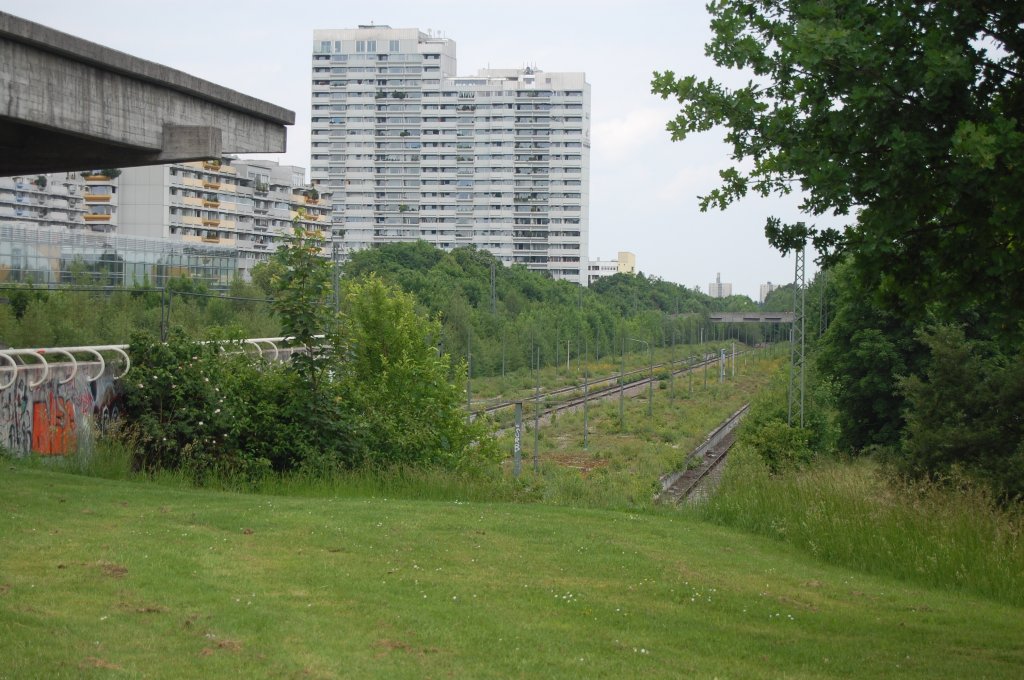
907 120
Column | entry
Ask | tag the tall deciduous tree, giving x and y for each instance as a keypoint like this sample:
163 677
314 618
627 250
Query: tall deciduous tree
907 116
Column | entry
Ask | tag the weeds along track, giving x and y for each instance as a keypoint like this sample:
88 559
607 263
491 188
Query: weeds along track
568 399
702 462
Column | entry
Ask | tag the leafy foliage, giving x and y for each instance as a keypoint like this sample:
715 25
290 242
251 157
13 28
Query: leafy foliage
301 285
364 388
908 118
910 115
963 412
403 387
531 315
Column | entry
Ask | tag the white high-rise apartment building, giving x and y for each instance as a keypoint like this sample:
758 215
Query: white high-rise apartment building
766 289
409 151
717 289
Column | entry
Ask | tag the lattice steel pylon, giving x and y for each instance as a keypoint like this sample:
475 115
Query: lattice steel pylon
796 345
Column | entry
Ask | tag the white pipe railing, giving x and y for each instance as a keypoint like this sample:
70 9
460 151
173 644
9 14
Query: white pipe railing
12 364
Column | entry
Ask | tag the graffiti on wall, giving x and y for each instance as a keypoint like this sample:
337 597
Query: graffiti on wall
48 419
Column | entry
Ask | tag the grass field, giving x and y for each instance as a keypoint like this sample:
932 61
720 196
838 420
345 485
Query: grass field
103 578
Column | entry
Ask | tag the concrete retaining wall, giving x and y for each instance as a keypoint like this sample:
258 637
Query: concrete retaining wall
50 418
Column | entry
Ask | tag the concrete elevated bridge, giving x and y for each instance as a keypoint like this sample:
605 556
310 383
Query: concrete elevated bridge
69 104
750 317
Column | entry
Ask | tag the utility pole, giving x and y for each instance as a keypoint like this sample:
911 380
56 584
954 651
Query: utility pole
469 375
650 383
586 390
493 301
536 417
622 382
796 346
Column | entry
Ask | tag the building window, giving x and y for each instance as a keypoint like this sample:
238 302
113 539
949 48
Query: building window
325 46
393 46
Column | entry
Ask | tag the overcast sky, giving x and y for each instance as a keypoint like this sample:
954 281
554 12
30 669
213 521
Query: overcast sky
644 187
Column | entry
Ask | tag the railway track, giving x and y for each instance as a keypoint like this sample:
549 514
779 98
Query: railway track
609 390
678 486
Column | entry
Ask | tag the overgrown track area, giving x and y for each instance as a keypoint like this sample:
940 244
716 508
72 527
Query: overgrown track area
570 398
678 486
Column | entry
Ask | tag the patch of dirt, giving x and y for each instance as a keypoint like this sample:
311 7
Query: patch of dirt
388 645
782 599
142 609
5 588
112 570
248 532
579 460
94 662
222 645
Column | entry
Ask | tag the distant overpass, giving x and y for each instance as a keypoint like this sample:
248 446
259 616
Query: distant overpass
69 104
751 317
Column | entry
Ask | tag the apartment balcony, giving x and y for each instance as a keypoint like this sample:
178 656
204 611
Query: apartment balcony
211 222
212 165
96 198
211 184
97 178
210 239
91 217
210 204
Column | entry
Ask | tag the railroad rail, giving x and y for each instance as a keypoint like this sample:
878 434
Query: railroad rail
603 393
678 486
676 367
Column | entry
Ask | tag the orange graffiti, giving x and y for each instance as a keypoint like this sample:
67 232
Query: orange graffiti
53 426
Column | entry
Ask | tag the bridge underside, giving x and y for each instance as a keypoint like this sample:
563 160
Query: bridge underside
69 104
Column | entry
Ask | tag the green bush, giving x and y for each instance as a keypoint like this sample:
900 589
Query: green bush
780 446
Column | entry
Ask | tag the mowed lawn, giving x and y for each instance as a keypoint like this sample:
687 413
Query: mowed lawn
101 578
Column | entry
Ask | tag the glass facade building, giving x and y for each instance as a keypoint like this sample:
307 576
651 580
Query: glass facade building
51 256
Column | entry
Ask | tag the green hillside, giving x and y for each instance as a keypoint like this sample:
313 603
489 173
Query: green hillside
119 579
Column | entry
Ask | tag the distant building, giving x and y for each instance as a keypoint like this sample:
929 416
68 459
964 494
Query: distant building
766 289
719 289
599 269
411 151
209 220
246 205
627 262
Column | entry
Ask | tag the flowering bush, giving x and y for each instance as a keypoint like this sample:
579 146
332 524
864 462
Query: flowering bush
367 387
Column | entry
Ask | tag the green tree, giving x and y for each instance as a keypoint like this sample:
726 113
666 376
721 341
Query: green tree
963 412
410 408
301 283
906 116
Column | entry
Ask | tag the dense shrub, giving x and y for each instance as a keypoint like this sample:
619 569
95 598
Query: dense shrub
963 413
365 387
